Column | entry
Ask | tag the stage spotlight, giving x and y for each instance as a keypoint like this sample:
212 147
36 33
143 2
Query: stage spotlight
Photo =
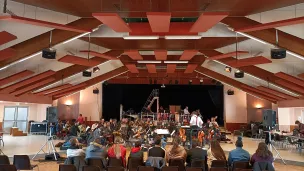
228 69
96 69
190 82
238 74
163 86
150 80
176 81
155 81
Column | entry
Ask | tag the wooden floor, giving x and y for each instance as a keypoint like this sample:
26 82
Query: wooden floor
31 144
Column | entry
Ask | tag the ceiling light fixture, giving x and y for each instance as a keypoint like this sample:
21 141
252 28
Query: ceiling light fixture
149 62
176 62
184 37
140 37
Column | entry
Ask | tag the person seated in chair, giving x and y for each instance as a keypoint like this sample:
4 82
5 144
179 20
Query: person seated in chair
177 151
157 150
262 154
97 151
136 151
215 152
73 130
238 154
74 150
196 153
118 150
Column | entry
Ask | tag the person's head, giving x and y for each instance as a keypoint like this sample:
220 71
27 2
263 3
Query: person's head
239 142
157 140
118 140
80 115
176 142
263 151
108 124
186 107
297 122
111 120
217 150
212 119
74 141
195 143
137 144
97 140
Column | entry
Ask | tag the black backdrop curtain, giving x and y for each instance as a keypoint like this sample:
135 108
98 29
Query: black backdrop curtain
208 98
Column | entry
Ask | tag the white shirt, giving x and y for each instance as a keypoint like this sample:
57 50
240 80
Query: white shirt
195 120
75 152
186 111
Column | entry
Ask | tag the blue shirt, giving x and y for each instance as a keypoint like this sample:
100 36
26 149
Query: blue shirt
238 154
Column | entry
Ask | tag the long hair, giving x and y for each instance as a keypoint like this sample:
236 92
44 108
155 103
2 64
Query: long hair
117 143
263 151
217 150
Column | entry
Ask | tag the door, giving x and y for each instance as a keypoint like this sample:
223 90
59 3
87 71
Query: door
15 116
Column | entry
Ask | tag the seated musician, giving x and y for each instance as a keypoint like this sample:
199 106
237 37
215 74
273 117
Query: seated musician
136 150
196 153
177 151
118 150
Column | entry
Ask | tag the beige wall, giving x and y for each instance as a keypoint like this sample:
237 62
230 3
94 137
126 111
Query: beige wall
253 112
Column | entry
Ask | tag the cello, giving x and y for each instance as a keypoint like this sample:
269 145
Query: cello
182 134
201 136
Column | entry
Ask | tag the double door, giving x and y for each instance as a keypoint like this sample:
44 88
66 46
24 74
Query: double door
15 116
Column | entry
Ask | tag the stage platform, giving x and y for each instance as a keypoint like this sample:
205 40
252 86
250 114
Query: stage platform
31 144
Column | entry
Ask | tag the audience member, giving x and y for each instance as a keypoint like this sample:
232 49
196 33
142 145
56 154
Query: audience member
177 151
73 130
215 152
118 150
74 150
238 154
262 154
300 127
157 150
196 153
80 119
97 151
136 150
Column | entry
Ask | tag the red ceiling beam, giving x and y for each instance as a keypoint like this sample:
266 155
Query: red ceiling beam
15 77
277 98
190 68
43 23
291 85
6 53
81 85
20 92
113 20
134 54
188 54
290 78
101 55
27 81
171 68
53 89
301 75
132 68
283 95
151 68
227 55
176 28
79 61
282 23
159 21
236 63
207 20
160 54
6 37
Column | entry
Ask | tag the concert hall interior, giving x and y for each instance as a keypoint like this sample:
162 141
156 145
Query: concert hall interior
183 85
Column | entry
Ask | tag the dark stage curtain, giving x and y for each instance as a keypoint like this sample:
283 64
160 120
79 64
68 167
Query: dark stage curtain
208 98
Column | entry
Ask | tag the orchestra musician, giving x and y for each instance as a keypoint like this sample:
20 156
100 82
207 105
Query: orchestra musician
186 111
196 121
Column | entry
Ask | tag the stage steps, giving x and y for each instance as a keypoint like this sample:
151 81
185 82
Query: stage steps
16 132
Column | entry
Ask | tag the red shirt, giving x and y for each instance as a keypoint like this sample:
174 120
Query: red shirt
80 120
123 152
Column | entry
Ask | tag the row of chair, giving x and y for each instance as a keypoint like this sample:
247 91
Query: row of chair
20 162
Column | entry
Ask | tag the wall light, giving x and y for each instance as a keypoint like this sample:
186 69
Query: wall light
68 103
258 106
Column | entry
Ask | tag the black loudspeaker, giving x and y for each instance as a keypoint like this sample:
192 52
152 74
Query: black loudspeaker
278 53
230 92
96 91
269 117
51 114
239 74
86 73
49 53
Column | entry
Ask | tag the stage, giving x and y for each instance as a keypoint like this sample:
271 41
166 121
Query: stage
31 144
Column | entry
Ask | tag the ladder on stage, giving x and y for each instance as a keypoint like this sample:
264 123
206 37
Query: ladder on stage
146 110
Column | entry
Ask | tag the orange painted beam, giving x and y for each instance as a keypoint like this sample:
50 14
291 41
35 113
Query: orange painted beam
6 53
53 89
188 54
268 90
151 68
159 21
227 55
79 61
247 61
281 23
27 89
43 23
291 86
113 20
160 54
81 85
101 55
190 68
277 98
301 75
132 68
207 20
15 77
6 37
290 78
171 68
134 54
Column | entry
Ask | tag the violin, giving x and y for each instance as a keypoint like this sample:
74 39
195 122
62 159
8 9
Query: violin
182 134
